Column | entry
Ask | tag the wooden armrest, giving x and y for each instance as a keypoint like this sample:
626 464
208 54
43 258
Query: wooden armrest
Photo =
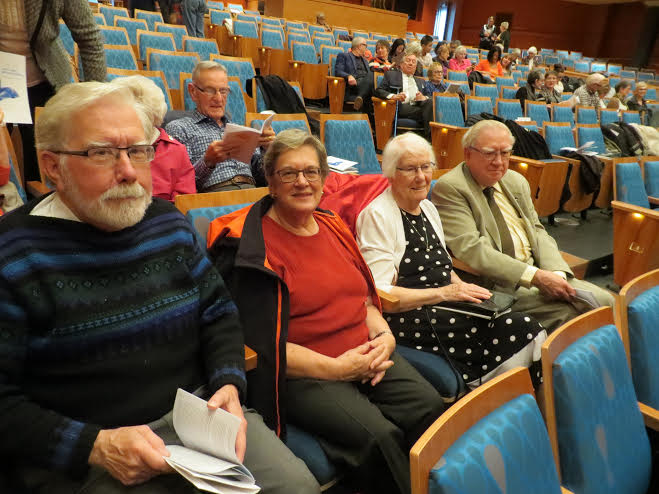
630 208
568 160
389 302
462 266
250 359
442 126
565 491
377 100
650 416
295 63
653 200
37 189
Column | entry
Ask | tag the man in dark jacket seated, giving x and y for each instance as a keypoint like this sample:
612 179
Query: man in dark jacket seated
403 87
353 67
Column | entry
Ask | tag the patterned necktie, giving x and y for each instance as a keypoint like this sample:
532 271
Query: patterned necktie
507 246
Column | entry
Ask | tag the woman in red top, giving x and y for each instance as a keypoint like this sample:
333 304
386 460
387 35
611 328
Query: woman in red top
491 67
345 384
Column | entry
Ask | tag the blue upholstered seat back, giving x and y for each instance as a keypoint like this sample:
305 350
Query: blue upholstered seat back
505 82
294 25
510 110
563 114
131 26
114 36
538 113
506 452
150 17
551 59
489 90
340 32
253 18
608 116
628 74
66 38
110 13
327 51
603 446
215 5
260 100
308 449
272 38
643 316
202 217
594 135
235 7
518 77
651 169
319 41
645 76
270 22
148 40
434 368
172 65
582 66
202 47
651 93
352 140
177 31
99 19
296 37
304 52
243 70
614 69
475 106
236 107
318 30
280 125
119 59
246 29
448 111
218 17
157 80
598 67
586 115
508 92
188 104
631 117
457 75
629 185
558 137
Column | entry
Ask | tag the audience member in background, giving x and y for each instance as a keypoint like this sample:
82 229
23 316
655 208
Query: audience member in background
442 59
549 93
515 58
504 36
171 171
193 16
149 5
487 34
560 71
414 48
401 238
491 225
354 68
166 10
452 46
605 92
402 86
491 66
532 91
638 103
460 60
129 310
396 52
588 94
531 60
9 197
506 64
434 83
617 101
202 133
341 379
47 63
320 21
380 63
426 49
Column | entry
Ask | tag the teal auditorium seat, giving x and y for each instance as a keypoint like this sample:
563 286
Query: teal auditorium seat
99 19
235 7
628 74
594 135
215 5
456 75
313 30
304 52
562 114
507 451
177 31
172 65
608 116
614 69
352 140
448 111
236 108
340 32
476 106
645 76
294 25
629 185
218 17
270 22
243 70
271 38
110 13
157 80
246 29
487 90
651 94
296 38
505 82
603 445
248 17
537 113
508 92
598 67
202 47
631 117
119 59
113 36
67 39
131 26
327 52
436 370
586 115
510 110
319 41
201 219
150 17
651 169
153 40
558 137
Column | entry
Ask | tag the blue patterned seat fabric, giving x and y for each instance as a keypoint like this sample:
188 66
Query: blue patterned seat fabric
99 19
111 13
215 5
295 37
317 30
119 59
172 65
236 7
609 116
67 39
651 94
352 140
448 111
280 125
490 90
114 36
236 108
628 74
614 69
505 82
598 67
603 445
582 66
456 75
587 115
340 32
304 52
327 51
558 137
272 39
508 92
631 117
475 106
150 17
319 41
248 17
131 26
506 452
201 218
260 100
643 314
243 70
651 170
594 134
246 29
148 40
218 17
177 31
563 114
629 185
203 48
510 110
538 113
435 369
294 25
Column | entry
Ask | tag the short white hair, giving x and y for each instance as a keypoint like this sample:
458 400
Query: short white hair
149 94
401 145
594 78
474 132
532 49
207 65
504 25
460 49
413 48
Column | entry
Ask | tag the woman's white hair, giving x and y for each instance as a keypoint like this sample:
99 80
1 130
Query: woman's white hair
404 144
460 49
413 48
504 25
474 132
149 95
55 123
532 49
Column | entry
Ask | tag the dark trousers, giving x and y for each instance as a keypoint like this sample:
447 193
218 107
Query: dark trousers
420 111
370 429
364 88
37 96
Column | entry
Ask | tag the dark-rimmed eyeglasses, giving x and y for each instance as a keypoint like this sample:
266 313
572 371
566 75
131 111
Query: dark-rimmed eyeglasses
410 171
211 91
138 154
289 175
491 155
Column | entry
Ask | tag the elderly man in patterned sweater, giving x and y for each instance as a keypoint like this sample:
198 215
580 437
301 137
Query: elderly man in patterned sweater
107 306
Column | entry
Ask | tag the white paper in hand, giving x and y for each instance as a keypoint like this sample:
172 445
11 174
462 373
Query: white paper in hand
245 139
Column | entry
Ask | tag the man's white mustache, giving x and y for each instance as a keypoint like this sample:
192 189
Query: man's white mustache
124 191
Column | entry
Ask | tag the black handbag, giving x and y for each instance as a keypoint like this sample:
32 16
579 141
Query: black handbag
496 306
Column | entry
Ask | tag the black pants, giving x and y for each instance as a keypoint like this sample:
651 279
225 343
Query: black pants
37 96
420 111
364 88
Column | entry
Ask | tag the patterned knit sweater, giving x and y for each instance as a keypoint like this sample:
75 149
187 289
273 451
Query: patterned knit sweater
98 329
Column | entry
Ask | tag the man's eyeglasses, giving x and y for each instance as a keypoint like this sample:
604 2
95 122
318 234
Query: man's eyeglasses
491 155
289 175
410 171
138 155
211 91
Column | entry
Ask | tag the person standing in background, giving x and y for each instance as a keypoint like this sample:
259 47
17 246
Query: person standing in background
504 36
487 35
193 16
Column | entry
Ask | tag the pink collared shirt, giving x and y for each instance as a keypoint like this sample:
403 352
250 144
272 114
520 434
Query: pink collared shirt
171 171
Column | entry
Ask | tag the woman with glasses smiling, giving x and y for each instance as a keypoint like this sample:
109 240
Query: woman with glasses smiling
401 238
309 308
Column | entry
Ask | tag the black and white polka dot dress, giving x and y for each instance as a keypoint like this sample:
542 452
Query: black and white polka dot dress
476 346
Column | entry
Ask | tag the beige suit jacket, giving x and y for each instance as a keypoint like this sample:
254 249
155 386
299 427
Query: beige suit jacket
472 234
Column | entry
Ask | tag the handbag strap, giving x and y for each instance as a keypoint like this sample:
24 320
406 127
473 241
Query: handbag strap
42 14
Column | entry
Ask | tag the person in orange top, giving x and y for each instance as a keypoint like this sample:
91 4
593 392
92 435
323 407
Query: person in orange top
341 368
492 66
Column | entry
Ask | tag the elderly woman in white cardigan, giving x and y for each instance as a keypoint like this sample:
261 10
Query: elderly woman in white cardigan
401 238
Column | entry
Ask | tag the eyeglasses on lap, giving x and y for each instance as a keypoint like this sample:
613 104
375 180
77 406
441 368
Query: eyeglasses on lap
141 154
211 91
491 155
409 171
289 175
